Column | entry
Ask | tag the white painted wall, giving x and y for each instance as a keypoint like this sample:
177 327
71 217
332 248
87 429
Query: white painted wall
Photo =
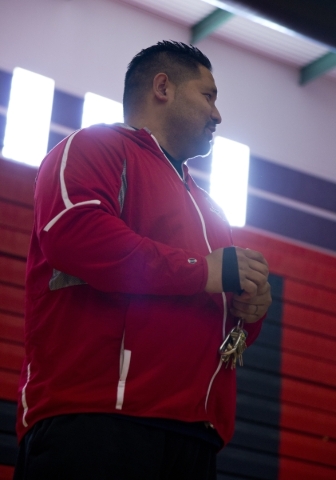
85 45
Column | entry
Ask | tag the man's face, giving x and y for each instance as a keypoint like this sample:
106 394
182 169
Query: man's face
192 117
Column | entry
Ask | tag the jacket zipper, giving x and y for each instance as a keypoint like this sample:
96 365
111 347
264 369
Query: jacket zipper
210 250
224 302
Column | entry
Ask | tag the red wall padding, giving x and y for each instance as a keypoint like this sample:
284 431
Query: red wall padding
6 473
308 363
16 220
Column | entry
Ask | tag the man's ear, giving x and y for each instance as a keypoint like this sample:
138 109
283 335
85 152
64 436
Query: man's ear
162 87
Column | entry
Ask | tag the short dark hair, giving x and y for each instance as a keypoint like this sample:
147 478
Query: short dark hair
176 59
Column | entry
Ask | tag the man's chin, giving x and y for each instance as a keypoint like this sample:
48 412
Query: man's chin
203 151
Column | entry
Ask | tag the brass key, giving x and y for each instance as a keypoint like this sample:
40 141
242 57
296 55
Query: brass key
234 345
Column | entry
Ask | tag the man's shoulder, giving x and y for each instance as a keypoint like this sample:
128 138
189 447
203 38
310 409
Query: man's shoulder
101 131
96 138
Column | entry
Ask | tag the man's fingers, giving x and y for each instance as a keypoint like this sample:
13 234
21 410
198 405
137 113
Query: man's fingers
249 318
253 255
254 259
258 279
253 276
258 267
249 312
250 288
262 297
252 268
252 308
264 289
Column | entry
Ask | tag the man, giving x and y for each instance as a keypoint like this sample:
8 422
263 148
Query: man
125 308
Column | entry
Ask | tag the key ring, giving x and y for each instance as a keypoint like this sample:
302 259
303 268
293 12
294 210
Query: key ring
234 345
223 346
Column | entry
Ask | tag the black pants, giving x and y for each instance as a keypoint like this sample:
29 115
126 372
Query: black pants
99 447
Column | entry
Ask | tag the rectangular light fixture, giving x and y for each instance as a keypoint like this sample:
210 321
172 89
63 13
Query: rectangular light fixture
28 117
229 178
98 109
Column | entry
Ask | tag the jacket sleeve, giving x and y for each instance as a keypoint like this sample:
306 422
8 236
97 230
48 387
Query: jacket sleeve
77 219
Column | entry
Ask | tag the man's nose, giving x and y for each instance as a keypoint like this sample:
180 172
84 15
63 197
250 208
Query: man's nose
216 116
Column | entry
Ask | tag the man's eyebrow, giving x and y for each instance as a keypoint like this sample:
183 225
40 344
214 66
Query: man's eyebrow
213 90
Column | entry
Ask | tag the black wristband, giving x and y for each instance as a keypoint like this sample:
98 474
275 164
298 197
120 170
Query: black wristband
230 272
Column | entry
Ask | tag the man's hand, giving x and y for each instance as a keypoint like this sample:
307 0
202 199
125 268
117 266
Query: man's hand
253 271
251 309
252 268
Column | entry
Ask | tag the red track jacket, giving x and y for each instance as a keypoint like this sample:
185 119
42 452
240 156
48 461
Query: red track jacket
117 319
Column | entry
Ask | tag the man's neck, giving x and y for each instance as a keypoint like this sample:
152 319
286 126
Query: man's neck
177 164
139 123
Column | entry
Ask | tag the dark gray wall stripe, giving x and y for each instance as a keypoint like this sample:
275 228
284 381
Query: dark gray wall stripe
265 385
292 184
255 436
67 110
308 228
8 440
5 86
257 410
281 180
8 449
7 416
266 359
2 129
54 139
247 464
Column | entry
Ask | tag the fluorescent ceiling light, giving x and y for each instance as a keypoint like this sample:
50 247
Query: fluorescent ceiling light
28 117
242 10
98 109
229 178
